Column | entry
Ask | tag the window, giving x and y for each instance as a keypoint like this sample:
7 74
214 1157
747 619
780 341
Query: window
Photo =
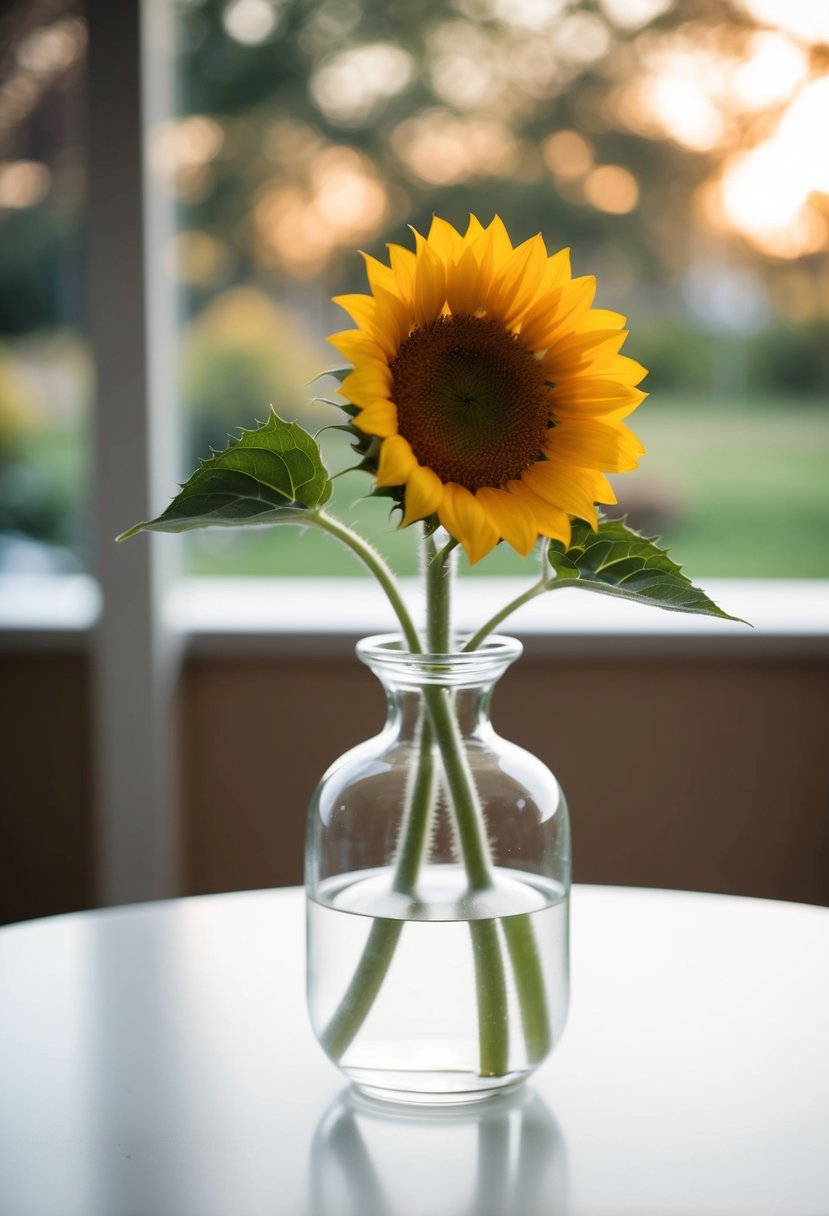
665 143
45 379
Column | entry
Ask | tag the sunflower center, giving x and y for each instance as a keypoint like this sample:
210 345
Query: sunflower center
471 401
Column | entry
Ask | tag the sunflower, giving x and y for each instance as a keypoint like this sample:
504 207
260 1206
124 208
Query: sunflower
494 390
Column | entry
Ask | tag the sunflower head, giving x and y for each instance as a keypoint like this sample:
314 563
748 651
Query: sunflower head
485 389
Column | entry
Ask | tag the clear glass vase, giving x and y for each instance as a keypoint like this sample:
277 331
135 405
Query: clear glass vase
437 877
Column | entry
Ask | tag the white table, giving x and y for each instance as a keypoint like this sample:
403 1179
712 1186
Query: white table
157 1061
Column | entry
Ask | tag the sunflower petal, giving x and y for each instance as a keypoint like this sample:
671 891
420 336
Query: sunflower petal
610 447
492 248
379 419
593 398
382 316
396 461
603 318
582 348
549 520
403 264
443 237
355 345
424 492
465 519
378 274
514 287
473 229
573 303
429 284
367 386
515 523
559 483
463 293
360 308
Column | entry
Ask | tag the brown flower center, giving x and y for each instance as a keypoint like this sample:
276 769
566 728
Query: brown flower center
471 400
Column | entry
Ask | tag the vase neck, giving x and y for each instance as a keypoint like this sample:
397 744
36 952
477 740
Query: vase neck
469 676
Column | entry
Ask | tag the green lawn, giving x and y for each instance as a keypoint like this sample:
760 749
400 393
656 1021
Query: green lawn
748 485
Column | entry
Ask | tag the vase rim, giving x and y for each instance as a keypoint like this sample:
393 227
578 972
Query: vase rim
386 650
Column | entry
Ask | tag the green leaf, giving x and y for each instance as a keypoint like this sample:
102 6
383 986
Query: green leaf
338 373
272 474
620 562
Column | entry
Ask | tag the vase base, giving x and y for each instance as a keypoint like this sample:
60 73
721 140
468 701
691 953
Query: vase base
435 1089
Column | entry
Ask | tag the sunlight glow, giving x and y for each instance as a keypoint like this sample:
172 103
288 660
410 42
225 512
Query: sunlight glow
442 149
343 203
634 14
806 19
772 71
567 154
250 21
766 192
611 188
351 86
23 183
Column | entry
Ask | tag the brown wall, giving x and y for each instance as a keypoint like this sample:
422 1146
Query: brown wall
45 785
707 775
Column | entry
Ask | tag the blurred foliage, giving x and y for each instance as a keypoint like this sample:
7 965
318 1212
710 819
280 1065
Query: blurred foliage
308 128
241 354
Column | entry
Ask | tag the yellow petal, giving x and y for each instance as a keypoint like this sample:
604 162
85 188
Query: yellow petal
573 304
357 346
549 520
382 316
378 274
360 308
513 520
582 398
516 284
379 419
403 264
585 347
610 447
473 229
429 284
603 318
443 237
559 483
396 461
424 491
491 249
372 383
463 293
465 519
621 368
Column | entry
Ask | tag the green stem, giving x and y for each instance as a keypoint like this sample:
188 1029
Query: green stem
461 785
378 951
366 982
529 984
438 596
490 980
491 988
545 583
370 558
415 830
518 930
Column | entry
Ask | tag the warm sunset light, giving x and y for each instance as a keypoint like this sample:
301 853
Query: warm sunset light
767 191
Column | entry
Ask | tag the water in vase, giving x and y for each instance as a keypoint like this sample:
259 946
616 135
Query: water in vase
417 1018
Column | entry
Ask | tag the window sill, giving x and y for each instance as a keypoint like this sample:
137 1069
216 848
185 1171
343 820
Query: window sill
322 618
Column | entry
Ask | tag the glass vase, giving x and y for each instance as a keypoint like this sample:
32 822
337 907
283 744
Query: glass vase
437 877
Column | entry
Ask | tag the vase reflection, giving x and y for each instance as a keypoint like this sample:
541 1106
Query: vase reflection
506 1155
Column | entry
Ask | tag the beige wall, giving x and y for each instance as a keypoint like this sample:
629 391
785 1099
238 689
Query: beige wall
708 775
